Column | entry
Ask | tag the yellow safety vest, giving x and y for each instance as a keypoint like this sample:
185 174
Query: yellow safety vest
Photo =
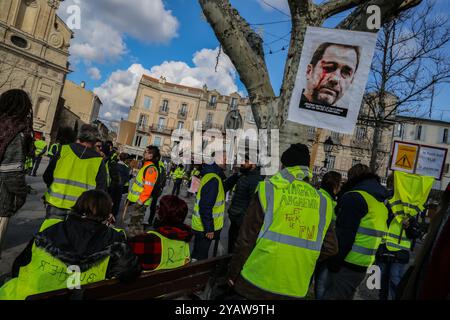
372 229
138 185
178 174
218 209
174 253
297 217
72 177
333 202
40 146
50 152
28 163
411 191
46 273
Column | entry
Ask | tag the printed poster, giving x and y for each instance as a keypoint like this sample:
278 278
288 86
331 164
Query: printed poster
332 77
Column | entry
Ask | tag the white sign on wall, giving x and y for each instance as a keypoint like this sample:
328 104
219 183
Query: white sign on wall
431 161
331 80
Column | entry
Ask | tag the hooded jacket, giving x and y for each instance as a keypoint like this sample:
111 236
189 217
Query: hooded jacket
82 153
245 190
84 242
148 247
350 210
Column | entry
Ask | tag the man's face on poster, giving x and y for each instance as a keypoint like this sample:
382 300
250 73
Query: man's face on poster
331 77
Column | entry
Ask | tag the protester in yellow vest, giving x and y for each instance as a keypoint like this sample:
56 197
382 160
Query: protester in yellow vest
41 149
330 187
361 217
166 246
83 242
209 208
285 231
76 169
409 195
177 176
140 195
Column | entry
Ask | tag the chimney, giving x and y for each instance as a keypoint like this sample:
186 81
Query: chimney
83 84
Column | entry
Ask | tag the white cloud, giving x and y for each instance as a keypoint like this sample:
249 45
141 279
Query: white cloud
105 24
119 90
95 73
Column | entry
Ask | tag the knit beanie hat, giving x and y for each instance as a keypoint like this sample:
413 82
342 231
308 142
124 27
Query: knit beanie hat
296 155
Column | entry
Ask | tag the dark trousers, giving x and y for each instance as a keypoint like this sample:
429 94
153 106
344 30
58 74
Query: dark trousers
343 284
116 196
36 164
176 187
153 210
233 234
202 245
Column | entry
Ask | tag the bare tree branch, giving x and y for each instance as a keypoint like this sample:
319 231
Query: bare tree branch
333 7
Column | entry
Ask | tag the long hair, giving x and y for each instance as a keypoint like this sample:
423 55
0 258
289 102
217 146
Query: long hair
16 104
172 210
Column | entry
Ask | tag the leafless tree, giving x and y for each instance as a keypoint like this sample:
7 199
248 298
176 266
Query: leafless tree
410 60
244 46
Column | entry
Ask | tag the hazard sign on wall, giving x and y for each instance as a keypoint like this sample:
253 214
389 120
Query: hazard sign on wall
420 159
405 156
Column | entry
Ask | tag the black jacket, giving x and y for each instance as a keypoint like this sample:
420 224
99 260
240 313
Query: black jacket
82 153
245 190
83 242
350 209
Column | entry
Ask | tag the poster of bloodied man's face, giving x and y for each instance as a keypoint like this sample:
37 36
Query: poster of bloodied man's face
332 77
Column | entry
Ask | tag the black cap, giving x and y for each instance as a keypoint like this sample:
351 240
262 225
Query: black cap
296 155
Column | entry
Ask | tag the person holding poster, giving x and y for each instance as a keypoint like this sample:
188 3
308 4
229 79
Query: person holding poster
331 79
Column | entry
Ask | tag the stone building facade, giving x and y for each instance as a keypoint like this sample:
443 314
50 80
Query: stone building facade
161 107
34 51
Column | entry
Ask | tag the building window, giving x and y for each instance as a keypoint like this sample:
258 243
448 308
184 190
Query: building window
335 136
184 109
138 141
148 102
355 162
360 133
213 101
250 118
398 130
143 120
447 168
180 125
157 141
161 122
419 132
165 106
330 162
234 104
445 136
209 118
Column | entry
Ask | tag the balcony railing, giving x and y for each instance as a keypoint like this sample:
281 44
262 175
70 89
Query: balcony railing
161 129
164 110
143 128
182 115
211 105
207 126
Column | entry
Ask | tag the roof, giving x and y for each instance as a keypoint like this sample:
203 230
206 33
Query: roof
415 119
169 84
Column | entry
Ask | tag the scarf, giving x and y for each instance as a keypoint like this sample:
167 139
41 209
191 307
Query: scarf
10 127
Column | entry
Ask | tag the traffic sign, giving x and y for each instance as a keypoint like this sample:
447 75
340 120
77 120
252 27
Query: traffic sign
404 157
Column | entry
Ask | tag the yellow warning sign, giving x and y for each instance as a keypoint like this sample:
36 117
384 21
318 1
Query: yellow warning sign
406 156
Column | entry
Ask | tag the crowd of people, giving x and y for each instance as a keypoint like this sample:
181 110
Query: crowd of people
285 236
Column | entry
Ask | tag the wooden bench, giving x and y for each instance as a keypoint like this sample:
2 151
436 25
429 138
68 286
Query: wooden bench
165 284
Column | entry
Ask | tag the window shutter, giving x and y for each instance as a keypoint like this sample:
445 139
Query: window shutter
440 136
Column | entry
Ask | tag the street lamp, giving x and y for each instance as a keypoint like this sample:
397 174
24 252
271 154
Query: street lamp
328 146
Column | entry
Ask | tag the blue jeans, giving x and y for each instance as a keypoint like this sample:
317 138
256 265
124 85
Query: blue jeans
321 281
391 275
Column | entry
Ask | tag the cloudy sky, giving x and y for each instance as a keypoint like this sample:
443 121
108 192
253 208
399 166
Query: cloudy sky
120 40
